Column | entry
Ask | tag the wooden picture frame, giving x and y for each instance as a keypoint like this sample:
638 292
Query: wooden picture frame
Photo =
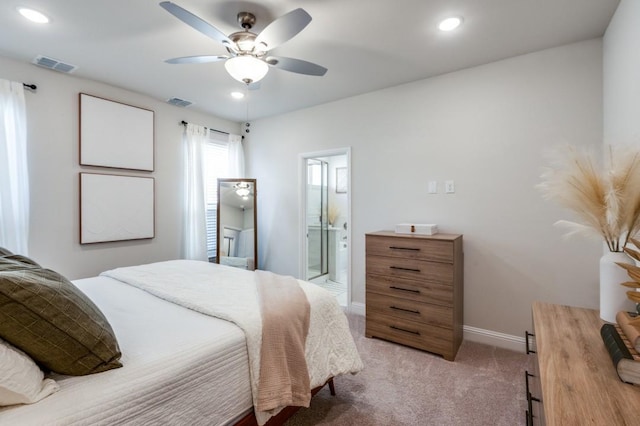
115 135
116 208
341 180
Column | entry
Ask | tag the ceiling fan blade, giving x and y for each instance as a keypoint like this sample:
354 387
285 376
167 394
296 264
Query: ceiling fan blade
202 59
197 23
282 29
296 65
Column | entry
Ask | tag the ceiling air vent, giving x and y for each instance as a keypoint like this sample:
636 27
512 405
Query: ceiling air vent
179 102
54 64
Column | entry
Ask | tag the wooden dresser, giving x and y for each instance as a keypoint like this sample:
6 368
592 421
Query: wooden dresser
575 382
415 290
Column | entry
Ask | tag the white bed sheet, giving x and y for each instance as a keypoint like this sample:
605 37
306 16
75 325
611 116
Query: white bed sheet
179 367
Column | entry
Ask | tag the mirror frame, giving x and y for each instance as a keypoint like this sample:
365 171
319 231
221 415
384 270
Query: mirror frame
255 218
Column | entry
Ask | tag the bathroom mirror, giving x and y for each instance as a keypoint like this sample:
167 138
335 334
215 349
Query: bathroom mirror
237 226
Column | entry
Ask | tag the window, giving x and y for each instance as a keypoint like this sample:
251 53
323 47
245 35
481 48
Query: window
216 166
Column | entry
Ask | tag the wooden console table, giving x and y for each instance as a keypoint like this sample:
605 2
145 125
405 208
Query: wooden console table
578 382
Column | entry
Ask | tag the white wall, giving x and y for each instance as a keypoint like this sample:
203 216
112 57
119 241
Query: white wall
52 115
486 128
621 62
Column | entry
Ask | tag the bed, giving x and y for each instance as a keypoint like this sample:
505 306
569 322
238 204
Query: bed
181 366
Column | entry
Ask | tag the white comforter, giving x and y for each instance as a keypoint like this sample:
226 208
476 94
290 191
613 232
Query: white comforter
179 368
231 294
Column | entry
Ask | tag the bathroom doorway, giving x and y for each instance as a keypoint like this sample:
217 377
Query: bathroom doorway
325 214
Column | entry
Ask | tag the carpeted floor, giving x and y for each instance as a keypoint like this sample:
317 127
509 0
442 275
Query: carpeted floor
404 386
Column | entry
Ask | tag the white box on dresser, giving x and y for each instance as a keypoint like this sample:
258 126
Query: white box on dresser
414 228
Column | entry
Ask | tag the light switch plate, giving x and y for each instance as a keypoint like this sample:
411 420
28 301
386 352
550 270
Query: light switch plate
432 187
449 187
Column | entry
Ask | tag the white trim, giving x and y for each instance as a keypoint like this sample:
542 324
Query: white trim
357 308
472 334
494 338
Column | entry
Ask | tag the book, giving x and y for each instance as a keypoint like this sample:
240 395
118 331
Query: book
625 358
628 322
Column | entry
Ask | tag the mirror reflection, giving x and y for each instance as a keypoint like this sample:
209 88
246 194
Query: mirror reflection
237 234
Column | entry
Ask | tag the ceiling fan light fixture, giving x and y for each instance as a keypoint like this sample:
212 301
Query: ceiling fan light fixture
450 24
242 189
246 69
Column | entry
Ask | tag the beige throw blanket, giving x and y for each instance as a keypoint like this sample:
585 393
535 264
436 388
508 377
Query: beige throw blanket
284 377
232 294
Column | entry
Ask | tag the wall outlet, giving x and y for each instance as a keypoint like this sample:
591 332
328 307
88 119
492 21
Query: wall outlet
432 187
449 187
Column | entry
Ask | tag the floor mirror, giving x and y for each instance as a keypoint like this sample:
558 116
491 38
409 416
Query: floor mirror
237 242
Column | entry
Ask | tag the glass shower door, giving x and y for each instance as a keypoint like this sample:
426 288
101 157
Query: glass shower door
317 222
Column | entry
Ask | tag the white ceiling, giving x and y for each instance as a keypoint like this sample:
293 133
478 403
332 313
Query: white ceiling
365 44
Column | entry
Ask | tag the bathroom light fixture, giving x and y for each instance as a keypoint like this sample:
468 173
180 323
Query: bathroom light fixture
246 68
33 15
450 24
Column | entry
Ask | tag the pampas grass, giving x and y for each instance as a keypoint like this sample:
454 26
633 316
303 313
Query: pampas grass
333 214
634 273
606 200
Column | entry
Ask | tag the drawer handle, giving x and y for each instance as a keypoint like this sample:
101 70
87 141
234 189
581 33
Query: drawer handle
405 310
526 339
393 287
404 269
417 333
530 397
404 248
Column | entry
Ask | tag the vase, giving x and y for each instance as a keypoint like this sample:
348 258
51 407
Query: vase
613 296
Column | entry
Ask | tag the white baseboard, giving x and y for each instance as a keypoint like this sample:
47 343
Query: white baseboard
493 338
473 334
357 308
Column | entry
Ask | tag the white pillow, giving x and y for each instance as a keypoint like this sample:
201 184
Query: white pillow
21 380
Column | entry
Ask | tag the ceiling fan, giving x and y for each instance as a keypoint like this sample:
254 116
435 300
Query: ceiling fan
249 60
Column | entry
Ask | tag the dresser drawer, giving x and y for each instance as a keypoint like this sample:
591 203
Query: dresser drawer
418 335
408 309
434 293
410 248
410 268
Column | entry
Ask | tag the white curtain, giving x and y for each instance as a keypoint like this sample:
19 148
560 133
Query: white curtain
14 176
236 156
194 243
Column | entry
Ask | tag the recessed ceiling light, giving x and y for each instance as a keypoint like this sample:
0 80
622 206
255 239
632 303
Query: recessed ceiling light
33 15
450 24
237 95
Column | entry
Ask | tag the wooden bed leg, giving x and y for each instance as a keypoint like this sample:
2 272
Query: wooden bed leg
332 387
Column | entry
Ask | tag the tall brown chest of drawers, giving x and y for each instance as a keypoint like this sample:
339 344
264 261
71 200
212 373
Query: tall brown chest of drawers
415 290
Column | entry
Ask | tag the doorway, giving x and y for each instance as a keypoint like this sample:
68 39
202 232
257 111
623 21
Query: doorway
325 219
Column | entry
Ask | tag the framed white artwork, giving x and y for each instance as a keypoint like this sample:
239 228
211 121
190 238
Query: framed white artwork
115 135
116 208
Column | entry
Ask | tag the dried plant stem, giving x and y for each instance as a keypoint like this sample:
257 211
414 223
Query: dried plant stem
606 202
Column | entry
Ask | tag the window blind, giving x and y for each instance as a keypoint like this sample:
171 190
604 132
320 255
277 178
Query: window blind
216 165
